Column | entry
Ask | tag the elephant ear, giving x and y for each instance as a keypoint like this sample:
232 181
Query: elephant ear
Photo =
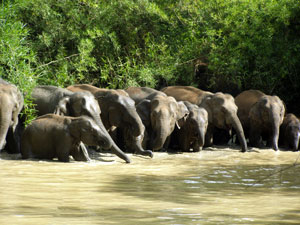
254 113
207 105
143 109
182 114
175 110
63 107
114 116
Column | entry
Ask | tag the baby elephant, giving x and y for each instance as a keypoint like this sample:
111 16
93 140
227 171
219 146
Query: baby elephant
290 132
54 136
193 129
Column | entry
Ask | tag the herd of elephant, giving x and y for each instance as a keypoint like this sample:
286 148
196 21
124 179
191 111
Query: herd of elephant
140 120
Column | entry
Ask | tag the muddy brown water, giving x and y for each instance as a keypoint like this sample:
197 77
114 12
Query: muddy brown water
215 186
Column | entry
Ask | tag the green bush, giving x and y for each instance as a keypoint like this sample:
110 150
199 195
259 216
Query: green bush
17 60
116 44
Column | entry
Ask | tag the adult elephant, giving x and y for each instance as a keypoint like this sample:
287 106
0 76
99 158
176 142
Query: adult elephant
118 112
11 104
261 116
221 109
51 99
52 136
290 132
192 131
160 115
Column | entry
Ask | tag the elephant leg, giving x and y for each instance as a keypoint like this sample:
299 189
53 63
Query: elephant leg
209 136
62 152
80 153
255 137
13 139
25 148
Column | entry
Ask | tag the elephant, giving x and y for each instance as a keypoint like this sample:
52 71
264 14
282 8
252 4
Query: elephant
51 99
119 114
290 132
261 116
51 135
11 104
160 115
140 93
221 109
192 131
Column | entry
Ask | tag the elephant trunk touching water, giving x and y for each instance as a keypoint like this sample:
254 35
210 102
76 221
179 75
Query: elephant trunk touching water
237 126
275 126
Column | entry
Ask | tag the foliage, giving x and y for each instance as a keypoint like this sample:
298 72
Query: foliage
16 57
116 44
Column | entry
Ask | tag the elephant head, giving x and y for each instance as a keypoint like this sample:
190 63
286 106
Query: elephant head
222 113
165 113
120 112
291 131
196 125
85 129
267 114
11 105
84 104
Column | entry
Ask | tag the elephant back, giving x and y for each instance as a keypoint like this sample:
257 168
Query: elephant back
186 93
245 101
138 94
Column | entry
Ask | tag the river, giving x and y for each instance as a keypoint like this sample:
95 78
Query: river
215 186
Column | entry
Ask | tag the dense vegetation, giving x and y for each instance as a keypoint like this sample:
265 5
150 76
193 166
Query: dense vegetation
216 45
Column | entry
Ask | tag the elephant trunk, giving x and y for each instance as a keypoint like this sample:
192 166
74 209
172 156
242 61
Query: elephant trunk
159 139
106 141
275 132
138 127
116 150
236 124
5 116
201 136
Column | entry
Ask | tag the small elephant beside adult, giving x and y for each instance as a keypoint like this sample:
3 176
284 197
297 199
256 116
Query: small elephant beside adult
118 114
51 99
261 116
11 104
191 134
289 136
221 109
54 136
159 113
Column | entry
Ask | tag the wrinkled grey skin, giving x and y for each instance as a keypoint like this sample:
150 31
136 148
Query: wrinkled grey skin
11 104
261 116
160 115
51 99
290 132
118 115
162 123
221 109
52 136
192 131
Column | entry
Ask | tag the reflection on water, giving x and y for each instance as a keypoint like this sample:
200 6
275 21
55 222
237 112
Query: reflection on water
215 186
